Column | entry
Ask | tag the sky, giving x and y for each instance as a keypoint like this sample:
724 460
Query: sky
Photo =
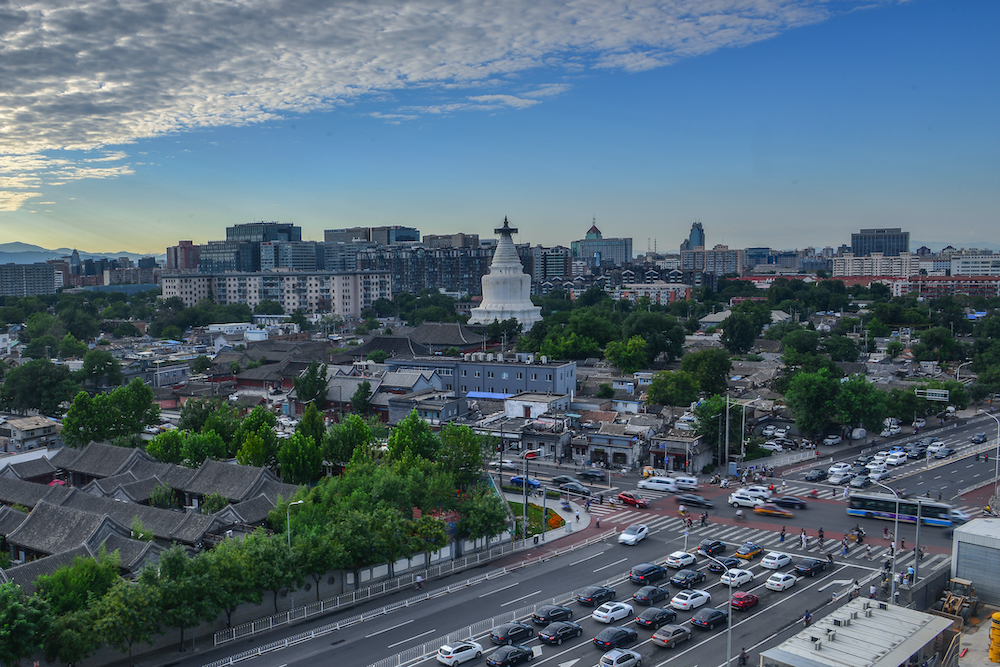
127 125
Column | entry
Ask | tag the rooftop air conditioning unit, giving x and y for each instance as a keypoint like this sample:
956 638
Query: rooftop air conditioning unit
489 357
545 359
817 643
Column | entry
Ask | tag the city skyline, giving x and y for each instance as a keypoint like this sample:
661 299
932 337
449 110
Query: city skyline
783 124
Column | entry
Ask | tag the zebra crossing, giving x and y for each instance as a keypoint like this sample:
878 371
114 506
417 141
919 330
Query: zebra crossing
768 539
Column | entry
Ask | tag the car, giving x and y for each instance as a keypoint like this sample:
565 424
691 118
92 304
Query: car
958 516
861 482
654 617
634 534
658 484
671 635
879 475
574 487
749 550
690 599
556 633
648 595
890 431
768 430
794 502
595 595
712 547
508 656
875 465
979 438
455 653
780 581
896 459
615 637
944 452
832 440
810 566
565 479
781 432
787 443
519 481
880 457
511 633
632 498
645 573
151 429
609 612
679 559
775 560
743 600
694 500
687 578
897 449
736 578
620 657
757 491
505 464
549 613
741 499
935 447
839 468
724 563
770 509
709 618
816 475
864 459
772 446
916 452
840 478
593 474
919 422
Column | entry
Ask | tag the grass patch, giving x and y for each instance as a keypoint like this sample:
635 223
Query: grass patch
535 518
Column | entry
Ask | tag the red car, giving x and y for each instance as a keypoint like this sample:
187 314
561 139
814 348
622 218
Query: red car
632 498
744 600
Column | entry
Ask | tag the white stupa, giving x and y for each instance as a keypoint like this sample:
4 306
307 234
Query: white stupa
507 288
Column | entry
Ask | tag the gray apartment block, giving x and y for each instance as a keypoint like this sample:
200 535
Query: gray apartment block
27 279
483 373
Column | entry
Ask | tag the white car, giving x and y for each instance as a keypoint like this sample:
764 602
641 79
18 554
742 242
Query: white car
738 578
768 431
633 534
840 478
742 499
958 516
936 447
839 467
505 464
878 475
781 432
890 431
692 599
919 422
832 440
679 559
896 459
455 653
658 484
875 465
780 581
609 612
775 560
772 446
757 491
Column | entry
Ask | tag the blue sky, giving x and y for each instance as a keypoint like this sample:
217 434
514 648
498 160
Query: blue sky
130 125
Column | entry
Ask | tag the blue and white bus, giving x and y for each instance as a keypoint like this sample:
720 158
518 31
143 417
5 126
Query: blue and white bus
883 506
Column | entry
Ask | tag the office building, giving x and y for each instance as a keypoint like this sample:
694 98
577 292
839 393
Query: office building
347 235
27 279
888 241
295 255
719 261
183 256
394 234
458 240
696 239
548 263
598 251
975 265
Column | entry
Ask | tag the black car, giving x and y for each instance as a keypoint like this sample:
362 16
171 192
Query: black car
687 578
510 633
859 470
596 475
944 452
650 594
615 637
693 500
644 573
979 438
654 617
712 547
810 566
564 479
551 612
915 452
731 562
790 501
507 656
556 633
595 595
575 487
709 618
864 460
817 475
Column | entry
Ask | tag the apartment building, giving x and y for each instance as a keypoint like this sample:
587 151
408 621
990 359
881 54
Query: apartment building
903 265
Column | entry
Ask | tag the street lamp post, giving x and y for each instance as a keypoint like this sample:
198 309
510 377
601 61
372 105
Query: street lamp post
996 458
729 612
895 536
288 523
743 428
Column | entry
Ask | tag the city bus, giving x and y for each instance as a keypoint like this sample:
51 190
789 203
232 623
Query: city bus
883 506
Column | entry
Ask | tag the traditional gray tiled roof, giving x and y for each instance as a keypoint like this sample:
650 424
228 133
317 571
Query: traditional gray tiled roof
162 523
10 519
170 473
28 494
441 334
404 379
27 574
29 469
64 456
234 482
52 529
138 491
252 511
393 345
272 488
104 486
194 526
101 460
133 553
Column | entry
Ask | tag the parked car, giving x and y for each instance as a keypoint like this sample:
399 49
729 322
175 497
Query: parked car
648 595
711 547
632 498
455 653
919 422
816 475
737 577
558 632
512 633
690 599
780 581
595 595
810 566
772 446
671 635
654 617
609 612
775 560
768 431
615 637
550 613
832 440
890 431
633 534
743 600
709 618
781 432
687 578
620 657
680 559
508 656
646 573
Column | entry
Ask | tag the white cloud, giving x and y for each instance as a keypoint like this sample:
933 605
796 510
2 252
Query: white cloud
110 72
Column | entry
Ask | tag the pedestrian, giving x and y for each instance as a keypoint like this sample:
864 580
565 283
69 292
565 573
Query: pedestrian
807 618
885 532
743 657
892 550
578 516
939 495
805 541
587 505
920 554
821 534
782 486
868 552
910 572
847 492
782 539
887 565
902 544
873 592
833 493
843 550
598 523
420 583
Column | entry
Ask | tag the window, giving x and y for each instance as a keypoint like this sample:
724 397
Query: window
478 374
504 375
489 374
534 376
464 373
548 376
520 376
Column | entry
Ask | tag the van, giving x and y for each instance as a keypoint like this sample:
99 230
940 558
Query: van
668 484
686 483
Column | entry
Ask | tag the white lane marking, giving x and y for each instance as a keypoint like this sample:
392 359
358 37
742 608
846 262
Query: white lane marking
583 560
617 562
506 604
499 589
422 634
395 627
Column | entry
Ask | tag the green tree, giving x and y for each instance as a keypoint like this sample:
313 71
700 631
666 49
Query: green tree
312 425
300 460
840 348
710 423
710 368
571 346
812 398
629 356
167 447
605 390
127 615
24 623
482 515
72 587
172 332
269 307
377 356
273 563
361 399
201 364
316 554
860 403
673 388
123 412
802 341
230 572
311 386
86 420
345 438
37 385
462 453
182 585
894 348
162 496
100 365
263 451
663 334
412 434
71 637
126 330
205 445
213 502
71 348
739 333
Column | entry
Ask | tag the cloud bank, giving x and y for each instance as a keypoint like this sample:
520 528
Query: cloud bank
81 76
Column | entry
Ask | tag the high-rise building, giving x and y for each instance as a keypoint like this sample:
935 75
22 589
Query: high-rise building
904 265
27 279
258 232
888 241
295 255
458 240
719 261
347 235
550 263
599 251
395 234
183 256
696 239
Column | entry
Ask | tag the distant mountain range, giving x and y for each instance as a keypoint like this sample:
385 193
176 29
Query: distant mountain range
25 253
